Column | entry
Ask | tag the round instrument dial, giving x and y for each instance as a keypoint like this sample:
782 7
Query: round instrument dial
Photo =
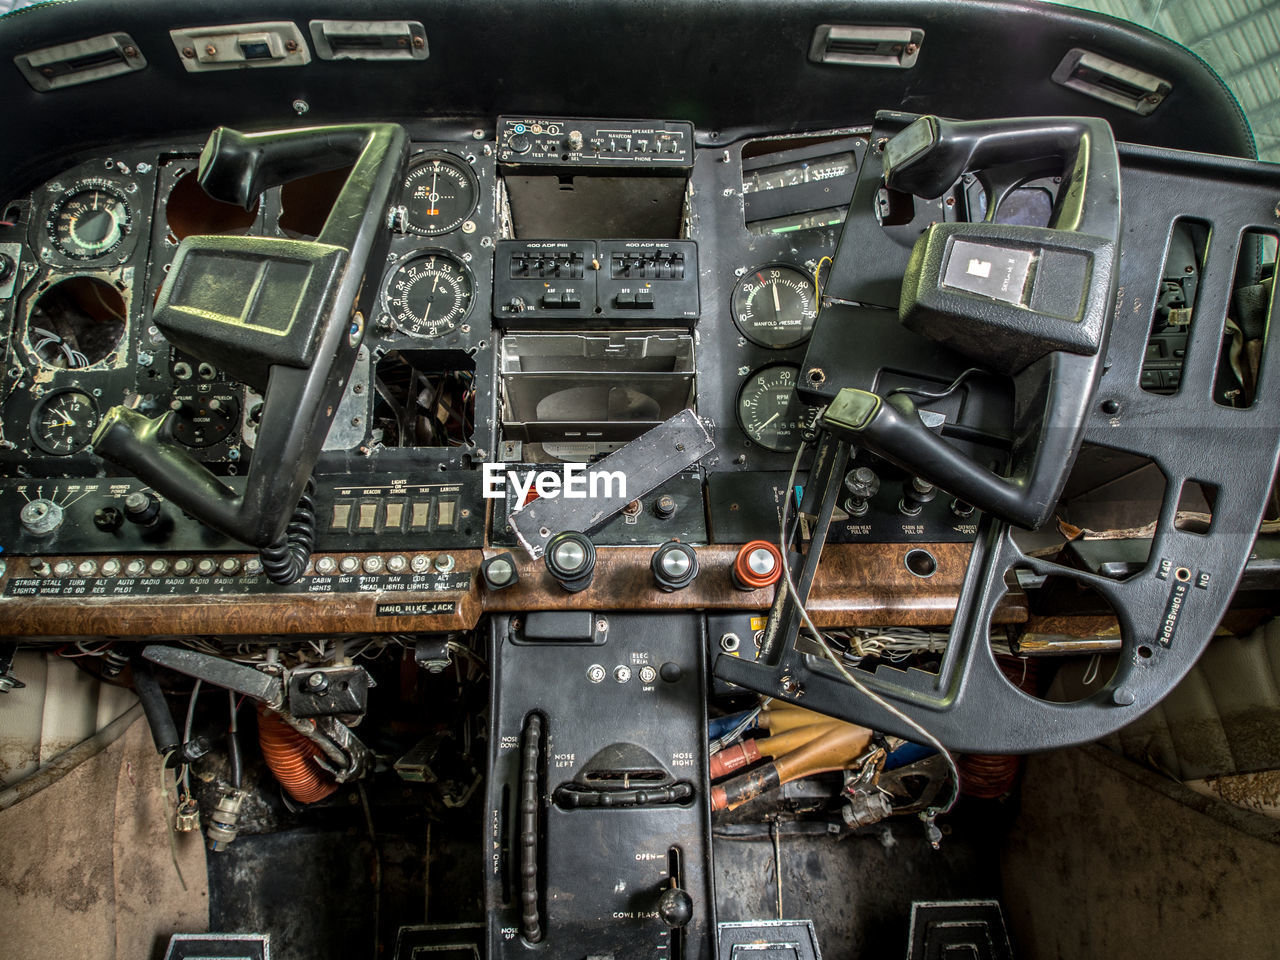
89 220
429 295
63 422
769 410
775 306
440 193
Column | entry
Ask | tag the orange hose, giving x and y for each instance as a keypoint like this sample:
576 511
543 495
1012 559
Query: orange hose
290 756
834 750
780 743
732 758
779 718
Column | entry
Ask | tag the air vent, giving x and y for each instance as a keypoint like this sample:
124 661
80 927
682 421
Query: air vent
238 46
1104 79
71 64
896 47
369 39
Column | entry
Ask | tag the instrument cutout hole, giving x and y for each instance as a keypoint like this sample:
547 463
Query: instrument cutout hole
77 322
305 203
190 211
1081 655
922 563
425 398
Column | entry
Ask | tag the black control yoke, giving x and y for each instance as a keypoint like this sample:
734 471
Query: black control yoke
284 316
1034 303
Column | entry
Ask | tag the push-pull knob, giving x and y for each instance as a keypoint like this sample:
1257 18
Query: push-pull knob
571 559
757 565
861 484
674 566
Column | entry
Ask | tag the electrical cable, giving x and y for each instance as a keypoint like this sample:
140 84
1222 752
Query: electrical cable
186 733
935 395
930 814
286 560
233 743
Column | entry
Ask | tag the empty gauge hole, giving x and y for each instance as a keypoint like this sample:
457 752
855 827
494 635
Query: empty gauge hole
922 563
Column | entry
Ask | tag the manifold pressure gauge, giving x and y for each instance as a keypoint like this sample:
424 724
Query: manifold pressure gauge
89 220
429 295
440 192
775 306
769 411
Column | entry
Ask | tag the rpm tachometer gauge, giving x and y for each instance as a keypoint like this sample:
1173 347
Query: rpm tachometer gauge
775 306
769 410
89 220
440 193
429 295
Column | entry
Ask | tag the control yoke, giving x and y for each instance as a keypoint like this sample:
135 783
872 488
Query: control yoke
1034 303
284 316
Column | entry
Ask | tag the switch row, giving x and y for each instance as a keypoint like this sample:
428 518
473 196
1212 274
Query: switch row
533 265
156 567
376 563
655 266
383 516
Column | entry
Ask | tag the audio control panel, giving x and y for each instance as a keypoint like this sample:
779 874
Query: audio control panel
603 143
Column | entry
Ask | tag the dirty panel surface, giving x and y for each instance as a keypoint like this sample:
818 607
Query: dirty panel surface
858 890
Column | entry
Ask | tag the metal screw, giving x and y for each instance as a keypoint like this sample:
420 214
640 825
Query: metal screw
210 49
358 388
131 51
300 106
912 48
602 625
477 134
189 52
402 41
47 71
291 46
419 42
1152 98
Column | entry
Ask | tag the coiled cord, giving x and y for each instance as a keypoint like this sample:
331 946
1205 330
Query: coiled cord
286 560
